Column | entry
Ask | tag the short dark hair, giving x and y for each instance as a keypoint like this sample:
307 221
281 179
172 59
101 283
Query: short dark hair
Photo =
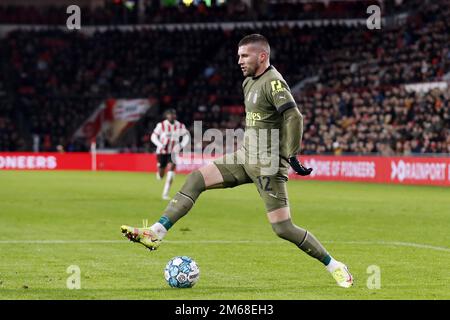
170 111
254 38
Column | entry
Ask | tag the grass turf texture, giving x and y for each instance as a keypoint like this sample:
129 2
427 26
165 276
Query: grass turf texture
389 226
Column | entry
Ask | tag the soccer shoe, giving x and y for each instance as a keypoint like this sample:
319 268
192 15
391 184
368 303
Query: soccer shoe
144 236
165 197
342 276
158 177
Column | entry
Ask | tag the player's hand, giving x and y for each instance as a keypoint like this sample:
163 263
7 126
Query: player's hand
298 167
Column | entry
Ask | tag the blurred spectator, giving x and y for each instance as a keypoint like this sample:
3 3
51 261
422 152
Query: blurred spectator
400 123
112 13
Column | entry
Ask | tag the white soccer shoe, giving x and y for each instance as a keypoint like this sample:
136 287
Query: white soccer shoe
342 276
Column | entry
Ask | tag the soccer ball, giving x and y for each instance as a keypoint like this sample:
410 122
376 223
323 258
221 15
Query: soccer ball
181 272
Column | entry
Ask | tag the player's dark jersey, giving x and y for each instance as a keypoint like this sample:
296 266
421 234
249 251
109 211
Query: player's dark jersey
266 98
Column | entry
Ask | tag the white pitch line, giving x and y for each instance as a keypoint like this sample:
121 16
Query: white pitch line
60 241
383 243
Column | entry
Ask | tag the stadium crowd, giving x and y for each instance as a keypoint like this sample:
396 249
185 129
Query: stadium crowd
387 121
118 13
356 104
10 139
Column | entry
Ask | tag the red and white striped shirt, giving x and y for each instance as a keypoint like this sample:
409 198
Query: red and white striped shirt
166 136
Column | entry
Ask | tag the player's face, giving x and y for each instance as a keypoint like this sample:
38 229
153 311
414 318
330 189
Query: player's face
171 117
249 59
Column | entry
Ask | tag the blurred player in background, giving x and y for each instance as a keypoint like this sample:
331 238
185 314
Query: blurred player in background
166 137
269 105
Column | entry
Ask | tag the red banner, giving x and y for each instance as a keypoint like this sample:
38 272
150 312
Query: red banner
113 117
404 170
45 161
77 161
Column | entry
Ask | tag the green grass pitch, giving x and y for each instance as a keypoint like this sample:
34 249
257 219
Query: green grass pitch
51 220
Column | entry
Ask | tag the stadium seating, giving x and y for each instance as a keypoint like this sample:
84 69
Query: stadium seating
54 80
115 13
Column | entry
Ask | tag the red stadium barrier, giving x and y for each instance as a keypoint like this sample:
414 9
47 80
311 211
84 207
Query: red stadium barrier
77 161
404 170
45 161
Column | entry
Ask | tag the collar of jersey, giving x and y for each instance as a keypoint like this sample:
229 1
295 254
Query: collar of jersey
268 68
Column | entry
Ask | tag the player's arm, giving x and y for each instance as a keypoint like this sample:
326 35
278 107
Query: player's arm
280 96
155 136
292 130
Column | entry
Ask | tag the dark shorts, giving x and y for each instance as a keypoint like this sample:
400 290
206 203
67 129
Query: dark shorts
271 187
163 160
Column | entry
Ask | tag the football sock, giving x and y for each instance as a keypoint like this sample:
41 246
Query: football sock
302 239
159 229
184 199
165 222
332 265
314 248
169 179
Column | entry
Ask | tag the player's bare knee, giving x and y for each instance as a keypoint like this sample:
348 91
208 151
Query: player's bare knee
211 175
277 211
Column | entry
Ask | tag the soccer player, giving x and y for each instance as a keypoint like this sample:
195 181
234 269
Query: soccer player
166 138
269 105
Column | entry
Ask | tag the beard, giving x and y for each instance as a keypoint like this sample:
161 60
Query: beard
249 72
